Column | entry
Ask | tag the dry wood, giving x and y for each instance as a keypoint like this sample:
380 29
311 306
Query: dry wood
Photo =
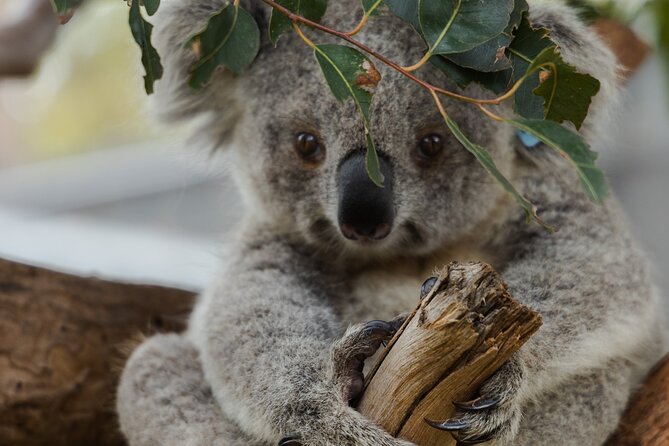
59 351
462 332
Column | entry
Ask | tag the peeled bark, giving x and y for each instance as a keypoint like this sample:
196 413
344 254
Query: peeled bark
461 333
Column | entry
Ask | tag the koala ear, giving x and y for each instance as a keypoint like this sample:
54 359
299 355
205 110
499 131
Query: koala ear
581 47
174 100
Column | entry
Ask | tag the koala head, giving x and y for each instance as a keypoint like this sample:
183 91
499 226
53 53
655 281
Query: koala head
298 154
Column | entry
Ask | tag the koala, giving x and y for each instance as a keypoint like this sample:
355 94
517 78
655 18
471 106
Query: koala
325 262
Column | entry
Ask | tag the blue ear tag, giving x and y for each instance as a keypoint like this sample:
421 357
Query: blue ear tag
527 140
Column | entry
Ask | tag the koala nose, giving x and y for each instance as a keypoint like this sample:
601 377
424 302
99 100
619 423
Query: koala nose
365 210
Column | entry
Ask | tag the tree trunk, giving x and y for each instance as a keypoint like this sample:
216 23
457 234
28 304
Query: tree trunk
60 351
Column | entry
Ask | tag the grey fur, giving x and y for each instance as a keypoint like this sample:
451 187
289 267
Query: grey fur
265 353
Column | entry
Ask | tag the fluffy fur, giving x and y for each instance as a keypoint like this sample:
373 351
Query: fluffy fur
268 353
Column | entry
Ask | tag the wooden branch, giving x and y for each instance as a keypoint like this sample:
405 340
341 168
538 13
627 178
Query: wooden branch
461 333
60 337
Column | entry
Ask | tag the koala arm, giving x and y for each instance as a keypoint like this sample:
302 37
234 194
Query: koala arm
267 335
590 285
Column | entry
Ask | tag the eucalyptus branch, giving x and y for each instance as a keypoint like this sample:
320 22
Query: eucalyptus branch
296 18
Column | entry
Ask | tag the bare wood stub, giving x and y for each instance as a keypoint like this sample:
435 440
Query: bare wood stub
462 332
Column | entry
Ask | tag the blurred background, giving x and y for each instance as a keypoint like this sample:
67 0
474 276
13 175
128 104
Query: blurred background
88 184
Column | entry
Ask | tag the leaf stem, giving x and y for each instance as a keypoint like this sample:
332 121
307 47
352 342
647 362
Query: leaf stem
490 114
303 36
364 20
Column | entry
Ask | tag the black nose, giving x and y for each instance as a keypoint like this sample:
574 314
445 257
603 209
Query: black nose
365 210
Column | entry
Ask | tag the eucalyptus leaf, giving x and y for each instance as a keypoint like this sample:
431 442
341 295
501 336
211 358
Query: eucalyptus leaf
151 6
309 9
455 26
65 8
343 67
487 57
573 147
527 45
372 164
567 93
491 56
484 158
141 32
231 39
407 10
498 82
349 74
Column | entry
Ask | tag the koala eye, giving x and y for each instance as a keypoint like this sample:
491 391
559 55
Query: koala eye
429 148
309 148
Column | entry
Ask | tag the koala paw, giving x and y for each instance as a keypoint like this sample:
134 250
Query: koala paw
349 353
494 415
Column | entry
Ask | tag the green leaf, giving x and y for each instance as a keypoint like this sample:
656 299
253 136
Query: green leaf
407 10
231 39
484 158
491 56
310 9
527 45
568 93
455 26
498 82
372 160
343 67
65 9
572 147
487 57
151 6
141 31
349 74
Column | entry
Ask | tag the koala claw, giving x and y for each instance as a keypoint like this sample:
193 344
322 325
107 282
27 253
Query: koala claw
291 440
351 351
495 414
454 424
480 403
379 329
427 286
458 428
